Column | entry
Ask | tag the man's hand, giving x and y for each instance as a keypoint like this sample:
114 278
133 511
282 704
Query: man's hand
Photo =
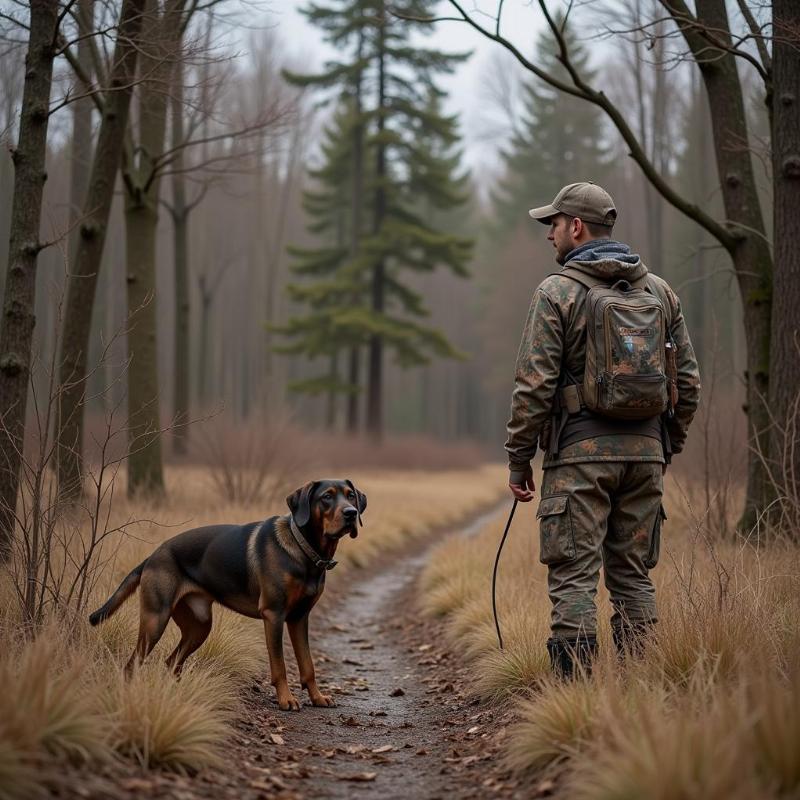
522 485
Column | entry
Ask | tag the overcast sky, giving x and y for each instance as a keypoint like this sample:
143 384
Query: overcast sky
468 87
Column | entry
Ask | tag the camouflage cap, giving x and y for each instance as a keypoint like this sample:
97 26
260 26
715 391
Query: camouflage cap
589 202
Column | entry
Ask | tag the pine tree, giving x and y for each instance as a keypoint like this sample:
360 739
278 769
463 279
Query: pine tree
402 149
558 140
322 331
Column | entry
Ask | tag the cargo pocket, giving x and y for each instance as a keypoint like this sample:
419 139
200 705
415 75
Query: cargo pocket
555 525
655 540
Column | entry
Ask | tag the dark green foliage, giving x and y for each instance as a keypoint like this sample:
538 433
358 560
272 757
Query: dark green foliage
388 179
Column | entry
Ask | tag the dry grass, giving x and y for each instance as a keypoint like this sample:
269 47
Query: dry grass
712 710
158 721
64 696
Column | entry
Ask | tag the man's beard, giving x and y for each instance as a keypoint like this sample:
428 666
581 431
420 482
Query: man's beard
561 255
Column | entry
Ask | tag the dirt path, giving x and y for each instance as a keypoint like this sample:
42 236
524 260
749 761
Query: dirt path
404 726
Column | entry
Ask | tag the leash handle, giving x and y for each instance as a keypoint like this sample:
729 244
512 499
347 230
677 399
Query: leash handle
494 573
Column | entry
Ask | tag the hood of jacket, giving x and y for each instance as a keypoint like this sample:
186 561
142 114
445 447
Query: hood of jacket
605 258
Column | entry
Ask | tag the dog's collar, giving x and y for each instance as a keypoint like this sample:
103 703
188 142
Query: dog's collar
316 558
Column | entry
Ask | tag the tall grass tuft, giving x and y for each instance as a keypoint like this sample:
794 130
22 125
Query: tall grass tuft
235 647
711 709
659 749
160 721
553 726
44 704
18 775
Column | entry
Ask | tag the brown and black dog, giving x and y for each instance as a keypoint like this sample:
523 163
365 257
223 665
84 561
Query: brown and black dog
272 570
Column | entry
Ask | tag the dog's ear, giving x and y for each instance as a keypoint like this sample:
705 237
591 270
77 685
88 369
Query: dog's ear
299 502
362 502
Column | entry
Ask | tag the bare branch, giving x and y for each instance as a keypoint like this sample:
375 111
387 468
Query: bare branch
581 89
757 35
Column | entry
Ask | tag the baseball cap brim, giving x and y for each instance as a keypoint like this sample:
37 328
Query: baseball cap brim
544 214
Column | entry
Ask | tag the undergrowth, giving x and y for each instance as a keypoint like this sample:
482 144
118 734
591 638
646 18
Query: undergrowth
711 709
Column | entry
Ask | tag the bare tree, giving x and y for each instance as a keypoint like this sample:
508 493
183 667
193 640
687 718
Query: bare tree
785 342
16 328
147 160
114 104
141 177
208 285
710 45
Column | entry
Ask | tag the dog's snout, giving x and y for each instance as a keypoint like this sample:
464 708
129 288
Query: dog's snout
349 513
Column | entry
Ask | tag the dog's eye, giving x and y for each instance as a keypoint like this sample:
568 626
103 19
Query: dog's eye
326 499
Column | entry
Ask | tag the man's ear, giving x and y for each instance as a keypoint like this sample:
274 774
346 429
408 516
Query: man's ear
299 502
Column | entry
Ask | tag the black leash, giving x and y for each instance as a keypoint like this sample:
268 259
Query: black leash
494 574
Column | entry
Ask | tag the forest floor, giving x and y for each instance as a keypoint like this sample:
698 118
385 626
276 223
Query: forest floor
405 725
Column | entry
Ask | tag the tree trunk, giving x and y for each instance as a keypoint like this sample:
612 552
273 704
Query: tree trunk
356 230
145 472
180 232
785 348
375 380
142 181
85 268
330 406
81 145
203 355
750 253
354 379
16 328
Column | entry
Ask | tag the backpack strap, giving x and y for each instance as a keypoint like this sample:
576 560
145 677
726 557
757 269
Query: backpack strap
657 289
591 281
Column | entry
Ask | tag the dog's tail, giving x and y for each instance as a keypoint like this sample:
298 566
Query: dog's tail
124 591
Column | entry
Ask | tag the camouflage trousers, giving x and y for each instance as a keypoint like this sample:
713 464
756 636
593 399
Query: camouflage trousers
600 514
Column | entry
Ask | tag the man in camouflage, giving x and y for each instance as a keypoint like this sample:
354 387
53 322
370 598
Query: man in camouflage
603 478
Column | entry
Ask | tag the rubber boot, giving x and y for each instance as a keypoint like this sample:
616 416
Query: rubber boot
630 636
566 653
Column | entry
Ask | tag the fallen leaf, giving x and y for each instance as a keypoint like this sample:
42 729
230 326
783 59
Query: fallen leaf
351 722
384 748
134 784
545 787
276 738
423 647
474 729
362 777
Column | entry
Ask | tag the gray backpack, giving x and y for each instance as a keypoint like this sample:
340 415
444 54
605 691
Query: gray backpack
627 348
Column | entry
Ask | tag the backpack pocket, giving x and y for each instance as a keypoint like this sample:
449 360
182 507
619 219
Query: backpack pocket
557 539
634 396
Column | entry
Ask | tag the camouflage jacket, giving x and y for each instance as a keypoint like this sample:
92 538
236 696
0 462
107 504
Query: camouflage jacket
554 341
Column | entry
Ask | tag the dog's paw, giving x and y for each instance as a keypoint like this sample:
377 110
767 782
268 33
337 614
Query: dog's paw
324 701
288 703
